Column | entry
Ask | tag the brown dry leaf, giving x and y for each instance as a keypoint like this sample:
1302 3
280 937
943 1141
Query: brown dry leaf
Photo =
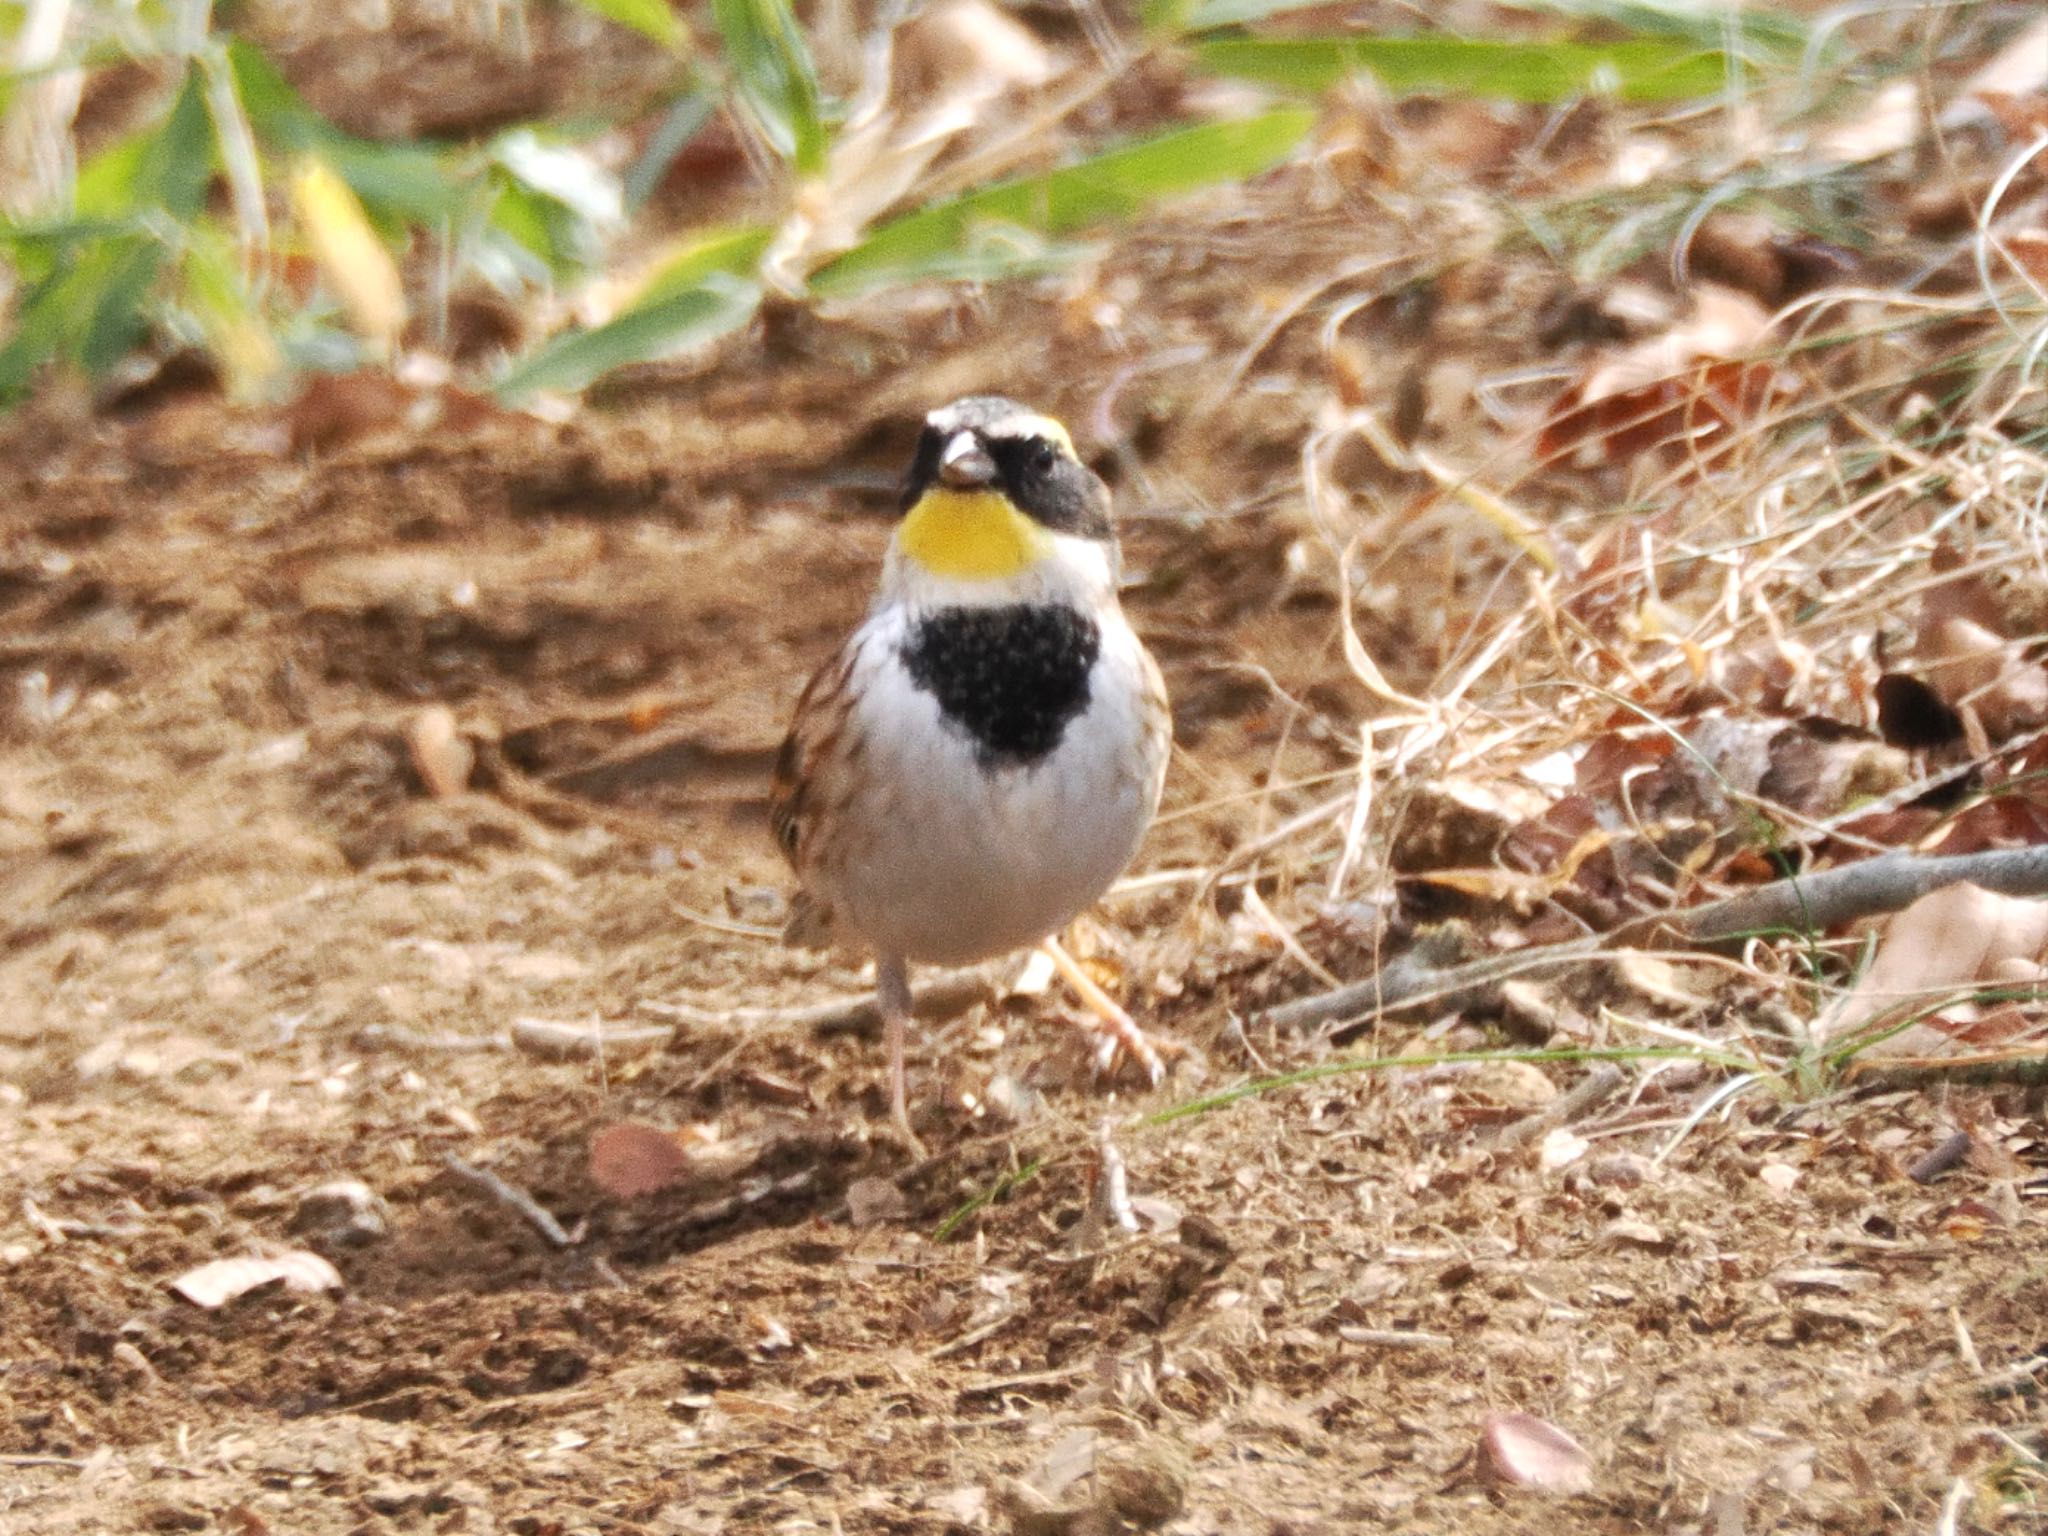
1888 122
2020 68
1778 1177
2029 250
1746 250
629 1159
1954 937
1969 666
1681 393
220 1282
1527 1452
1456 823
439 754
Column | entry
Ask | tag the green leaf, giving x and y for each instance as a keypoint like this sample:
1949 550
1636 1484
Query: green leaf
394 181
542 227
771 65
1114 185
677 127
228 315
88 312
1642 69
1769 29
735 252
1765 27
646 333
650 18
168 166
1166 18
561 171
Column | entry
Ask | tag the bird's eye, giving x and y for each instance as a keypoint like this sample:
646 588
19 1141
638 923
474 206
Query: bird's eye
1043 456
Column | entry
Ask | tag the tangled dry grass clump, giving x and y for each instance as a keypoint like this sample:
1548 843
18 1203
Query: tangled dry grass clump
1770 595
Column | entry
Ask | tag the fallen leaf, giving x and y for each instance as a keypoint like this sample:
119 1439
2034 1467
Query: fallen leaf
964 1506
215 1284
1887 123
1778 1177
1970 667
1680 394
1561 1147
440 756
1949 939
2020 68
629 1159
1635 1234
1527 1452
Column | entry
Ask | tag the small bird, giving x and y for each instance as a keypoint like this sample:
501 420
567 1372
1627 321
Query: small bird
983 755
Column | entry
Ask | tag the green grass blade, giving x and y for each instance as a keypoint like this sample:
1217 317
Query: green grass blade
650 18
735 252
646 333
1759 27
88 311
678 126
1641 69
395 181
1114 185
771 65
1014 1179
230 318
1767 29
168 166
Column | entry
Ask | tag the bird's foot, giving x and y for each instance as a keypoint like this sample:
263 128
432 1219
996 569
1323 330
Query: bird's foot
1117 1033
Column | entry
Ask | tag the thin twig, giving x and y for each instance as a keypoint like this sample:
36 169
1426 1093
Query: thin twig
511 1197
1575 1102
555 1040
1393 1338
943 997
1798 904
2025 1069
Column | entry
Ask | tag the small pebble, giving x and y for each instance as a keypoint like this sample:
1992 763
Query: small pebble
346 1213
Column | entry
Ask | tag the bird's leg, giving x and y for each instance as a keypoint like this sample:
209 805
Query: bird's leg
1118 1030
892 992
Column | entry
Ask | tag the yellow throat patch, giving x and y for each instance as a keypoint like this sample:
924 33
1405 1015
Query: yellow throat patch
971 536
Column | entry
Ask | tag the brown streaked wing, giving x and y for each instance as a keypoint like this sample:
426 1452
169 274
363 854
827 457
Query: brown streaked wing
813 734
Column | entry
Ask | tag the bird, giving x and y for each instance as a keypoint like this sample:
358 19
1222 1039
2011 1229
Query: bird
981 758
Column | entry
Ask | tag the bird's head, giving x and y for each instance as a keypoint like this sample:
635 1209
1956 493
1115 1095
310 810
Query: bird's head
997 507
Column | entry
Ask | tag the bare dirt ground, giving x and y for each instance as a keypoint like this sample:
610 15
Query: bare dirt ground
245 954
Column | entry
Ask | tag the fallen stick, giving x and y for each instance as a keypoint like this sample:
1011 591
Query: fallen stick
1580 1099
514 1199
943 997
553 1040
1798 904
2025 1069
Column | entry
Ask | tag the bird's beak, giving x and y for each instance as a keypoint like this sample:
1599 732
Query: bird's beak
965 465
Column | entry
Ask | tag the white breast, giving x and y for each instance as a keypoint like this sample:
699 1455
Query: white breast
948 861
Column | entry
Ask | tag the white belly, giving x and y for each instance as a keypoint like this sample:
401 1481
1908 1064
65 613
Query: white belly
951 862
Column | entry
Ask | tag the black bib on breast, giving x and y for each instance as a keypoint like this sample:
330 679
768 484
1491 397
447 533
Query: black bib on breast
1011 678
